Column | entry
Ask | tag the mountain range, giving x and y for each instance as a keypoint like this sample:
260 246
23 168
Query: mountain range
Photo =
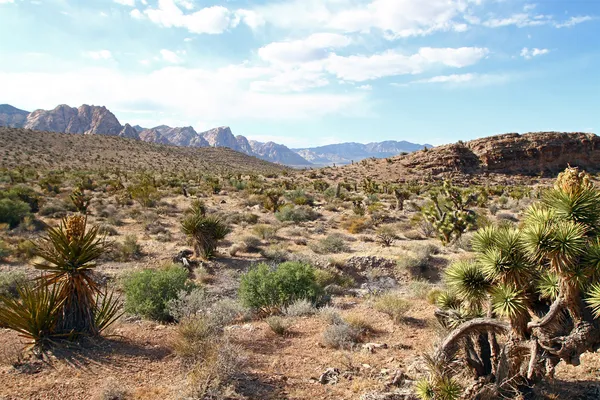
98 120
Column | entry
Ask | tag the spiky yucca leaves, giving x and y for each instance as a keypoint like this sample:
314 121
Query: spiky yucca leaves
509 302
69 252
505 261
273 200
439 385
80 200
204 231
548 286
34 314
468 282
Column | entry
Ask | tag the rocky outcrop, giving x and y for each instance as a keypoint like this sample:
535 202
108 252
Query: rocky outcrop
244 144
184 136
12 117
277 153
86 120
345 153
512 153
129 132
221 137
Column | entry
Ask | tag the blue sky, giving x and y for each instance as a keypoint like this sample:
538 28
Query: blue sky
312 72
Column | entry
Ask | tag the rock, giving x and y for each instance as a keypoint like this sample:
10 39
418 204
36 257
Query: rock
399 378
401 394
184 136
370 347
87 120
278 153
12 117
330 376
512 153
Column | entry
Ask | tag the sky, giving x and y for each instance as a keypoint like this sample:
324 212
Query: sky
312 72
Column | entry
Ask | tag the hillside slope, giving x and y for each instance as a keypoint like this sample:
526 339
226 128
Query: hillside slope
36 149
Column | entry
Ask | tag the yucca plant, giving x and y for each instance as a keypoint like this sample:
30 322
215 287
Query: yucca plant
538 286
205 231
69 252
80 200
34 314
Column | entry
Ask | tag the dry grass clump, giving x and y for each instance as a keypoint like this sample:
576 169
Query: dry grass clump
393 305
300 308
278 324
332 244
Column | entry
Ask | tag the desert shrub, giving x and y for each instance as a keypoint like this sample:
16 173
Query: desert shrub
193 334
386 235
5 250
144 193
252 243
25 194
127 250
330 315
356 225
300 198
148 292
296 214
238 218
300 308
393 305
332 244
326 277
268 290
107 230
419 288
226 311
56 209
340 336
188 303
111 391
276 253
13 212
25 250
10 282
265 232
278 324
155 227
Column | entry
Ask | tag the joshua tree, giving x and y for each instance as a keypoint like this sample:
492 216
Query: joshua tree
539 285
205 231
401 196
273 200
80 200
449 212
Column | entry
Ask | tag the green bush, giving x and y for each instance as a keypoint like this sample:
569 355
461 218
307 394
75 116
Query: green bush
296 214
5 250
12 212
268 290
25 194
147 292
334 243
10 281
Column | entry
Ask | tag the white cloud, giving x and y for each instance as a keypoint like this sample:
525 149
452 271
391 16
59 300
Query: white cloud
520 20
103 14
396 18
530 53
171 56
573 21
314 47
391 62
365 87
6 1
464 79
210 20
136 14
130 3
99 55
181 92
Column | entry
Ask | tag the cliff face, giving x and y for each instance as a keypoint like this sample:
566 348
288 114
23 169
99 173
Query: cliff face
85 119
512 153
12 117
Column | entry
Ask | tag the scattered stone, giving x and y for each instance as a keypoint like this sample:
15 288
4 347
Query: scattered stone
330 376
370 347
402 394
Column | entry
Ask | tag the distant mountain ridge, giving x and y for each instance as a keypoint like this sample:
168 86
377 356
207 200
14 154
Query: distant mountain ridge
98 120
346 153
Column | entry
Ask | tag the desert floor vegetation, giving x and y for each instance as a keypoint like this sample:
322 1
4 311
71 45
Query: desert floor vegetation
262 282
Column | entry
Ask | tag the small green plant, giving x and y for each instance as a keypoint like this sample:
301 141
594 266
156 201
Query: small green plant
393 305
278 325
265 232
148 292
332 244
204 231
13 212
268 290
296 214
386 235
10 283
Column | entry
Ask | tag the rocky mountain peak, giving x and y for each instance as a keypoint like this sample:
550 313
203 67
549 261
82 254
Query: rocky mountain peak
85 120
11 116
